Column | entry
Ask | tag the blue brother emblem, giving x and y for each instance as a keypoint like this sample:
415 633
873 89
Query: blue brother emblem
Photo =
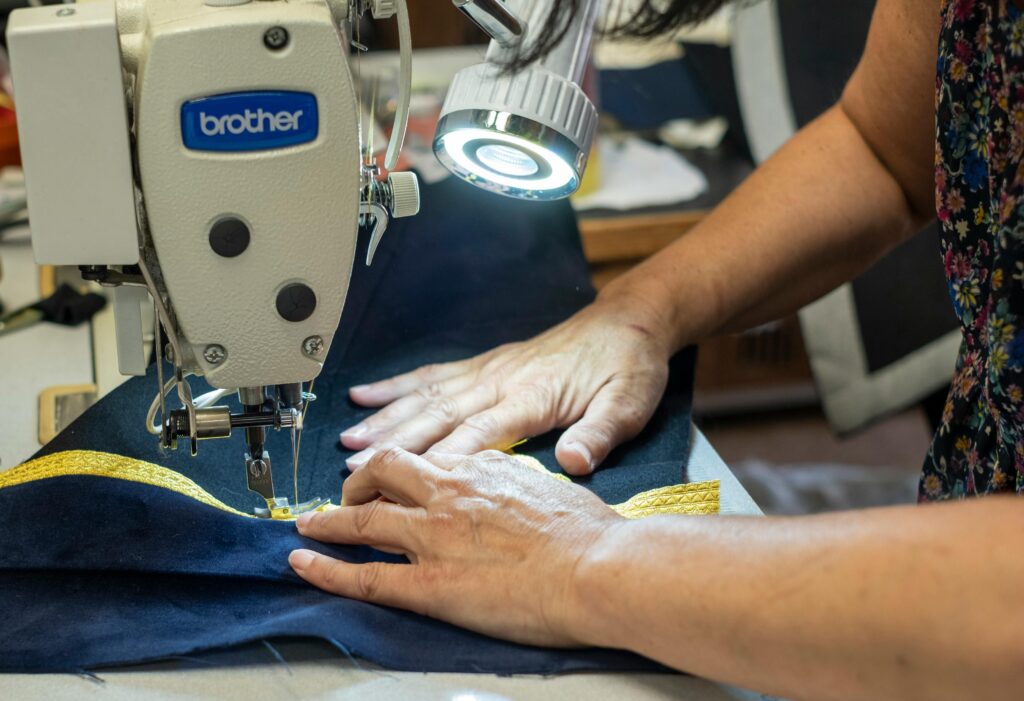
249 121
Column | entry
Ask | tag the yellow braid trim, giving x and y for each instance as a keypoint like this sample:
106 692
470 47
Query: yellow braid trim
696 498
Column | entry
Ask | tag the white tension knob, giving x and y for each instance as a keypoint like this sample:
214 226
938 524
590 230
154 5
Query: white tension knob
405 194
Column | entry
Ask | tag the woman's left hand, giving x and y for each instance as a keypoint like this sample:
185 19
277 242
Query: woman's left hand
493 550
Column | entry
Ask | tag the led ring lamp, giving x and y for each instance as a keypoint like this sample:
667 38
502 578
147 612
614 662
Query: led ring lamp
525 134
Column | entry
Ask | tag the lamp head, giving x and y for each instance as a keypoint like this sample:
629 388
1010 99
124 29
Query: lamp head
526 134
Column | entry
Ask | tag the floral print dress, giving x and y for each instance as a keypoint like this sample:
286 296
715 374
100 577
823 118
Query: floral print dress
979 174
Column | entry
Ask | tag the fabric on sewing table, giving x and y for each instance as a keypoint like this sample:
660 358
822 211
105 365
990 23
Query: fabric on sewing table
135 572
139 563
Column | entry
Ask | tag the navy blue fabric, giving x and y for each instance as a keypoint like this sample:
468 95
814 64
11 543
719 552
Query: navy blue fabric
129 573
645 98
122 572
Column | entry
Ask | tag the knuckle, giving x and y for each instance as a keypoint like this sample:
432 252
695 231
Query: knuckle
384 459
430 392
364 518
499 365
328 574
631 412
491 456
444 409
538 395
442 522
489 389
484 423
320 523
369 578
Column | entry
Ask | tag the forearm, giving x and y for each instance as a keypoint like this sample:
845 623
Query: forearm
906 603
820 211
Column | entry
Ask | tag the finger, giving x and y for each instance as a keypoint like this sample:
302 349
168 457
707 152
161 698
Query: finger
618 412
374 427
393 473
376 582
435 421
444 461
387 391
378 523
517 417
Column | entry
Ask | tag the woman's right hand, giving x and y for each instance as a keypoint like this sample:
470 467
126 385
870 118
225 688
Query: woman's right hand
600 374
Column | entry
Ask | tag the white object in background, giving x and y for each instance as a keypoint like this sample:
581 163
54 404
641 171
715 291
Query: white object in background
691 133
73 127
636 174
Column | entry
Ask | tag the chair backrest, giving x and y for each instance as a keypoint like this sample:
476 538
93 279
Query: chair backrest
889 338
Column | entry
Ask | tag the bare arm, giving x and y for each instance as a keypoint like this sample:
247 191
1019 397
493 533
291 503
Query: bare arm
903 604
832 201
906 603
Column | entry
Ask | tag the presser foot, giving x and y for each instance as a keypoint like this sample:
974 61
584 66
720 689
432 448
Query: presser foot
279 509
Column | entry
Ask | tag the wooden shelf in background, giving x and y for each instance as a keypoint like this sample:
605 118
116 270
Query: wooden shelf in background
633 237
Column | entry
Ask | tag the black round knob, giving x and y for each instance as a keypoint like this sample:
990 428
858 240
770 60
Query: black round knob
296 302
229 237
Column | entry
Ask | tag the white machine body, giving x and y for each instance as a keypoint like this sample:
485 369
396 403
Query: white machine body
73 130
298 201
235 138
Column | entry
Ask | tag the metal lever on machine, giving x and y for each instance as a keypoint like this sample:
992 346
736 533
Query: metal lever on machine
495 18
396 197
383 9
218 421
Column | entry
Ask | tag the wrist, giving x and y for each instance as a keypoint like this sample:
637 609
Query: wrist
600 588
647 305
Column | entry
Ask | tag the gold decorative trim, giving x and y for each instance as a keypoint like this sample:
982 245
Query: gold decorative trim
688 499
92 463
696 498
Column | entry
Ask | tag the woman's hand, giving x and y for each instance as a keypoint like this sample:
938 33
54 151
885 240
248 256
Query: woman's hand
601 373
493 545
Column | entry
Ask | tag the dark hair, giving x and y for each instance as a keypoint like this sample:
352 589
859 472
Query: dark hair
646 19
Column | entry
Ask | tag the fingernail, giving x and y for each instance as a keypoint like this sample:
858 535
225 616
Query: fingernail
359 388
303 520
583 452
355 431
301 559
360 459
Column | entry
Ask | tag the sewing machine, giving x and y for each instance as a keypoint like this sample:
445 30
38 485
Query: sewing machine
207 154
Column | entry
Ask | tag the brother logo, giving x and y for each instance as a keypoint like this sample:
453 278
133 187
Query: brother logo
253 122
249 121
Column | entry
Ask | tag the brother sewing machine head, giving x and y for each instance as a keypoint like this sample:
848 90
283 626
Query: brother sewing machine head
207 152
